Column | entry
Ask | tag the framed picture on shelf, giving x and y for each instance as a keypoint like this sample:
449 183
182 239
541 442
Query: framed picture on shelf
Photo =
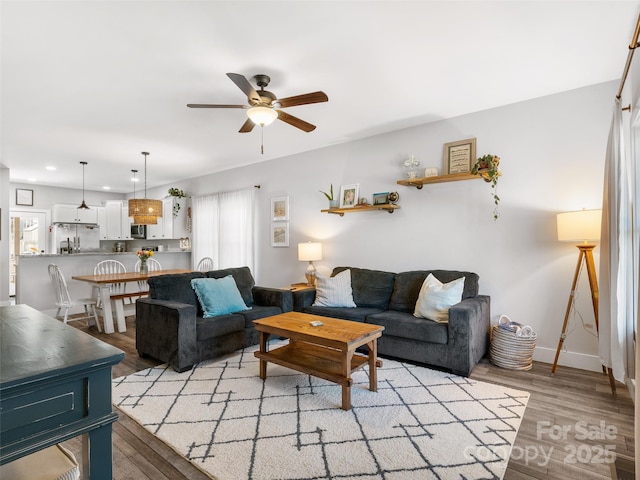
381 198
279 209
459 156
24 197
349 195
280 234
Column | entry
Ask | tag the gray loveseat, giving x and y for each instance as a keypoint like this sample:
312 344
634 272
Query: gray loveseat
171 328
389 299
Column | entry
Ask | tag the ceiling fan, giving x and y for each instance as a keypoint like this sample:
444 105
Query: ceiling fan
264 107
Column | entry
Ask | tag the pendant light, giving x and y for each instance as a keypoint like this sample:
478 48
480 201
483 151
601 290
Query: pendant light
83 205
145 211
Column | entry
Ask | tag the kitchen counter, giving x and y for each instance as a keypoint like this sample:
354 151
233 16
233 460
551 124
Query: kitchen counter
34 288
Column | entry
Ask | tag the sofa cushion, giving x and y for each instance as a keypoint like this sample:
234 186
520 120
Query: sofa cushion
175 287
218 296
355 314
405 325
334 291
207 328
244 281
435 298
257 312
408 284
371 288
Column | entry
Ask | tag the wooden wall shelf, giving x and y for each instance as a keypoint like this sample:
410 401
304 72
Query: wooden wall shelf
365 208
454 177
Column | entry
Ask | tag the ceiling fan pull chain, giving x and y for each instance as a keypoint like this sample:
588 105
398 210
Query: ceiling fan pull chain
261 139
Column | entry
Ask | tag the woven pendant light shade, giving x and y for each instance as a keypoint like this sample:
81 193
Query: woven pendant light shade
145 211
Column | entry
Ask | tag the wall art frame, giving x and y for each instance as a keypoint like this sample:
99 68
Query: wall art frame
280 234
381 198
460 156
24 196
349 195
279 209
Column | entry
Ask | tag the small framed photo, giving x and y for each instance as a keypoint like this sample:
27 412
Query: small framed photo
280 234
279 209
349 195
24 197
381 198
460 156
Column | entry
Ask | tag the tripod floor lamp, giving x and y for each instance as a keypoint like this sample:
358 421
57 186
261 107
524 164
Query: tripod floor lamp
581 226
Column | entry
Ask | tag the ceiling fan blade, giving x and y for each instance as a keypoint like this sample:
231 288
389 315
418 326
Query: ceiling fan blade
307 98
247 126
204 105
244 85
295 121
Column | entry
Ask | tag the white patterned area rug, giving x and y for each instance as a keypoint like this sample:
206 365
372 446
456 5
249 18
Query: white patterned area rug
421 424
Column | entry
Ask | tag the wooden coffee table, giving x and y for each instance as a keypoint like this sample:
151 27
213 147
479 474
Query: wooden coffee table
326 351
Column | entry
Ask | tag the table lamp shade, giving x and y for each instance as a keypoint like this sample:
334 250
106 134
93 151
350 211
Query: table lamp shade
579 226
309 251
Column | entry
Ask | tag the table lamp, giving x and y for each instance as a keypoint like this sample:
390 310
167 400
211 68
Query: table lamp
308 252
581 227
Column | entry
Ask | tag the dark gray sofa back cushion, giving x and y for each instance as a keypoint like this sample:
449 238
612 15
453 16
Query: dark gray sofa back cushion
175 287
243 278
371 288
407 286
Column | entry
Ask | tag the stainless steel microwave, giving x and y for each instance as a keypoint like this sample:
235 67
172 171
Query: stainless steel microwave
139 231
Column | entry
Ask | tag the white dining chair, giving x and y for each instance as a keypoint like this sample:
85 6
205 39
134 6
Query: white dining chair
64 300
153 265
205 264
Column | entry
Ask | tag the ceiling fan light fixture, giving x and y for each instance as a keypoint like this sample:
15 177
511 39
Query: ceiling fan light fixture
262 115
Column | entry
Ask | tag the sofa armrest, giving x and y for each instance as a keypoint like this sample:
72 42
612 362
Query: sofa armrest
303 298
273 297
166 330
469 325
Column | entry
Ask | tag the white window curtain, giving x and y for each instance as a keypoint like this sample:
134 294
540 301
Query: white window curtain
223 229
616 310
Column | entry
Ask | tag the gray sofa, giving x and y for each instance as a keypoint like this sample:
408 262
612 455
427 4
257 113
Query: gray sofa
171 328
389 299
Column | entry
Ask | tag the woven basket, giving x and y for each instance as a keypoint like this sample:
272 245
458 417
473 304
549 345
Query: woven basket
509 349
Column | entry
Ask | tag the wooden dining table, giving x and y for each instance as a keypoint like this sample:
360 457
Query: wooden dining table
103 284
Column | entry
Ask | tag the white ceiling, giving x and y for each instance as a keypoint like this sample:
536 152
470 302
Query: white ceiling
101 81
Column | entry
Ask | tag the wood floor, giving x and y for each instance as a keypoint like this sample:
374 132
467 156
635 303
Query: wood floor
572 427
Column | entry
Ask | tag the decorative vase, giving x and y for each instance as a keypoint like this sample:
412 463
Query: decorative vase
335 203
144 269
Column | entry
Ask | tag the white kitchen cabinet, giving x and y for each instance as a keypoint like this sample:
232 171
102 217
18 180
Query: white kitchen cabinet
102 222
164 228
63 213
116 224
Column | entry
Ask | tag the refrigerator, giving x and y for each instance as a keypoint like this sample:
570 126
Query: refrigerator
74 238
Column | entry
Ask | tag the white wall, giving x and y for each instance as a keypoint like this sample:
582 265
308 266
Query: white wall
552 152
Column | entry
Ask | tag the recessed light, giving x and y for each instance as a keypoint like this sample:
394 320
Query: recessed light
51 168
106 187
32 179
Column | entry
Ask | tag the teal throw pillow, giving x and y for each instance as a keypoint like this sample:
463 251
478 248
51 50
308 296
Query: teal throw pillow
218 296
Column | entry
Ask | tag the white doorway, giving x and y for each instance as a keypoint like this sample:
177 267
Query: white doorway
27 236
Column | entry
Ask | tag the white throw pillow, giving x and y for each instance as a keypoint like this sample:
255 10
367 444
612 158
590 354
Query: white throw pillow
334 291
436 298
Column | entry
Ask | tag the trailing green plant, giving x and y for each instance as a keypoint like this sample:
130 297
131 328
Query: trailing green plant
487 167
177 193
328 195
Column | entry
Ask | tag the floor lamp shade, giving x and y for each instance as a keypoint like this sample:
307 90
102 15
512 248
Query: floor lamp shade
579 226
309 252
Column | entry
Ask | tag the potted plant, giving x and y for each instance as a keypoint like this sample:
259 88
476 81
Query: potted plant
177 193
487 167
333 202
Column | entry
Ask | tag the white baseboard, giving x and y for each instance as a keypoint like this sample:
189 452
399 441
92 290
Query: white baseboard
568 359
